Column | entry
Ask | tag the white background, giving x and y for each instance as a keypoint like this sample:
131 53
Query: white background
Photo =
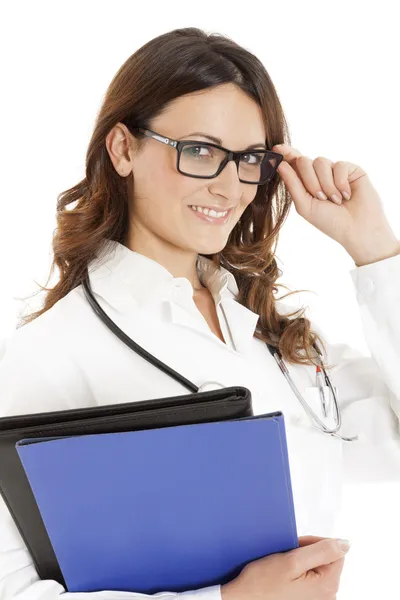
335 67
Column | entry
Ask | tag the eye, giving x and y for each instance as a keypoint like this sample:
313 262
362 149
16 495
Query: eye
192 151
255 159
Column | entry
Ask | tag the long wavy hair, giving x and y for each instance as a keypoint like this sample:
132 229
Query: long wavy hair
96 209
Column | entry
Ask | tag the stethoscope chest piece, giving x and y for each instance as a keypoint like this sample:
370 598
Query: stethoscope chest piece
210 385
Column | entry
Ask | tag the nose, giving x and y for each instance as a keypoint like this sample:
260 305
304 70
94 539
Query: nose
230 173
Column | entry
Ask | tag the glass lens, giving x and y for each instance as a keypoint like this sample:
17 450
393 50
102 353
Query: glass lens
204 161
257 166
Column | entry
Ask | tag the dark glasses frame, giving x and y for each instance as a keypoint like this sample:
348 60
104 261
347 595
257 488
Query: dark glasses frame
235 156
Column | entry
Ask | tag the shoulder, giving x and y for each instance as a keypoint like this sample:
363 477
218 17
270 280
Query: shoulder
47 332
37 368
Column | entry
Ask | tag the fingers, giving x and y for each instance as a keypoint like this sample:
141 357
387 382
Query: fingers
309 557
325 175
306 540
333 570
333 178
305 170
324 582
318 177
329 577
322 178
301 196
341 172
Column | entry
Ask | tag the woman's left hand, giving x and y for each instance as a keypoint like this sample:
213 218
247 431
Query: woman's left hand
359 223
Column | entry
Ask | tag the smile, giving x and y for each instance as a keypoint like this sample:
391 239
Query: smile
210 215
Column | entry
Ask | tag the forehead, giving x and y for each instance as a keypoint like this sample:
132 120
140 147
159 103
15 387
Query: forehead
224 111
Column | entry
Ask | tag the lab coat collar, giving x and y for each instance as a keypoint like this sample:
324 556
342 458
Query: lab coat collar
147 282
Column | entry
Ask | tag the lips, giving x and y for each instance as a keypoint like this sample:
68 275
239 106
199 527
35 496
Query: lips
209 218
217 209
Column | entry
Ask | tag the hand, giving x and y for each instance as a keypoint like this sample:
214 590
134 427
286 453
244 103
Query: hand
310 572
359 224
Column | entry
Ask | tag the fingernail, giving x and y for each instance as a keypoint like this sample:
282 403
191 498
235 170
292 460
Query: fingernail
322 196
336 199
346 195
344 545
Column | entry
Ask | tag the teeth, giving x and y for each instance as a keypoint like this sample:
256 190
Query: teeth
210 213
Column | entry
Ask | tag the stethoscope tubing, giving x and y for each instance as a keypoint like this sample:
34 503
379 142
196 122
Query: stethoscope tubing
316 421
194 388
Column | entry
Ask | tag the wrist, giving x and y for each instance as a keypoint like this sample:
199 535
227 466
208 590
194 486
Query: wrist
372 254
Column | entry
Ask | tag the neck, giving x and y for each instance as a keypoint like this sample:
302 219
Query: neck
178 262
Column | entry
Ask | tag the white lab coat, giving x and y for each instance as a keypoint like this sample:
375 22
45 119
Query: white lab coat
67 358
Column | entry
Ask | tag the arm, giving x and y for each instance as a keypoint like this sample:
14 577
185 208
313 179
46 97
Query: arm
378 287
360 225
369 386
26 386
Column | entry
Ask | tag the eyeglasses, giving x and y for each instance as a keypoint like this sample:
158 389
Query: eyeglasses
205 160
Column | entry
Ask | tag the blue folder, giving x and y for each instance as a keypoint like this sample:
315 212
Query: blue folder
164 509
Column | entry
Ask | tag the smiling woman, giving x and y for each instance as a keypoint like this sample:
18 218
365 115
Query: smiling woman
175 227
139 192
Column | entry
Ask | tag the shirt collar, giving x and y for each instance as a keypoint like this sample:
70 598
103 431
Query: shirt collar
148 280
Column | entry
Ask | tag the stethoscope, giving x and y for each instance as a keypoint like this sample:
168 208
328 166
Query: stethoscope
321 376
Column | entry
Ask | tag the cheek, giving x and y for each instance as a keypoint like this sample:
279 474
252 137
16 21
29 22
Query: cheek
162 199
167 182
245 201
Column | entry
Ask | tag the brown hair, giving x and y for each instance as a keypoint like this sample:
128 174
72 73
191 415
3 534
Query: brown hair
171 65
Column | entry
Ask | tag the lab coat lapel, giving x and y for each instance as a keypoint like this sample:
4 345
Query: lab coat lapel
180 315
241 322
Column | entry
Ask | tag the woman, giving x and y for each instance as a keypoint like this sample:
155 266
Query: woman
196 289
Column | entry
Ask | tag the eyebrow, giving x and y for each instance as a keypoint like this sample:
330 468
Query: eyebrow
219 142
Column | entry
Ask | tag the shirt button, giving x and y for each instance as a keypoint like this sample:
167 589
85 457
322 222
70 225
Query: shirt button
367 287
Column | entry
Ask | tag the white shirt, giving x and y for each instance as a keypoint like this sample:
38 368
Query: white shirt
67 358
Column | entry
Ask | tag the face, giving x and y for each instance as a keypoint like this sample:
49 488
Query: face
160 206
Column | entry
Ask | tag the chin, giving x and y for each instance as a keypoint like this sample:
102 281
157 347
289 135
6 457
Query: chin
210 248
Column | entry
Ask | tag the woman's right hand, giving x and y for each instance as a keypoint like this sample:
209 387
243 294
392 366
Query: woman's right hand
310 572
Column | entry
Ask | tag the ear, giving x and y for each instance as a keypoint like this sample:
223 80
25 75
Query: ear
120 144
